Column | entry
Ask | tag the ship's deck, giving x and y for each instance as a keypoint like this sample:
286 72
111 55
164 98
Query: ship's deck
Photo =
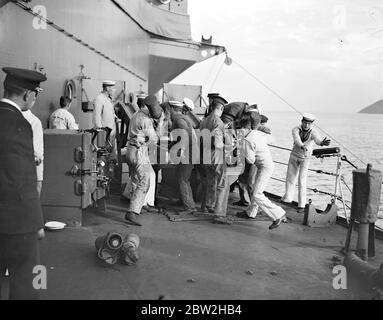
200 260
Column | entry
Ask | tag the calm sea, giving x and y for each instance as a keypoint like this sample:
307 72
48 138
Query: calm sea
362 134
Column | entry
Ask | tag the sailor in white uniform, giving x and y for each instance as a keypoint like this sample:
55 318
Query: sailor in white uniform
38 143
103 114
304 138
62 118
257 152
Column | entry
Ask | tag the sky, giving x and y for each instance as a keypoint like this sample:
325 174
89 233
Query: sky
320 56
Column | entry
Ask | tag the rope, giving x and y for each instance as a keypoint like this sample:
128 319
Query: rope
277 147
318 191
285 164
329 194
295 109
349 189
216 76
323 172
276 179
203 100
211 70
313 170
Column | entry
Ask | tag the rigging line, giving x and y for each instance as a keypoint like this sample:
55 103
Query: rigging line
203 100
295 109
317 191
278 147
286 164
342 145
267 87
312 170
349 189
216 76
276 179
213 65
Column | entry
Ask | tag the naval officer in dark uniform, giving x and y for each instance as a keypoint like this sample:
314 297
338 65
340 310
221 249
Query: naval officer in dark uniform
21 220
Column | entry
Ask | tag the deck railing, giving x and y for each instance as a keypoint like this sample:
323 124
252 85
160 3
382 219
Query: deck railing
339 183
338 194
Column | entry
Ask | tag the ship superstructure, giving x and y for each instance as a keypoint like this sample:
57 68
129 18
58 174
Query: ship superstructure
141 44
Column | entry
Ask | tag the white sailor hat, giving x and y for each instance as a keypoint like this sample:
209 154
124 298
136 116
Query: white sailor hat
141 95
252 108
188 103
308 117
109 83
175 103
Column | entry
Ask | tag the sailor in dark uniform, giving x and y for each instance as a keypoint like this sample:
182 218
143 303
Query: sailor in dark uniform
232 113
212 97
21 220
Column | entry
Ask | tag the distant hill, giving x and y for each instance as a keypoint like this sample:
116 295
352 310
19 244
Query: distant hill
375 108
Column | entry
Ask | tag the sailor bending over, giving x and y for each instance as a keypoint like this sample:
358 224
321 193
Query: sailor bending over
141 136
257 152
